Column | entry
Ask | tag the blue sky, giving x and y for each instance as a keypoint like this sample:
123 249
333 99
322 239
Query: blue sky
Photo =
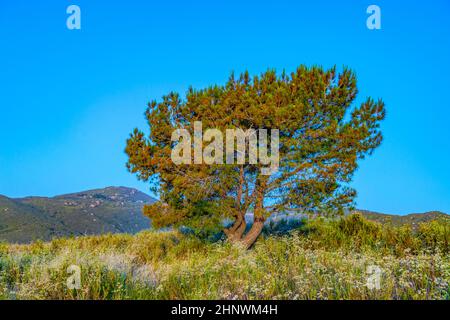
69 98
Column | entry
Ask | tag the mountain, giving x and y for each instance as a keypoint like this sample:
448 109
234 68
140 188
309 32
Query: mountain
108 210
412 219
111 210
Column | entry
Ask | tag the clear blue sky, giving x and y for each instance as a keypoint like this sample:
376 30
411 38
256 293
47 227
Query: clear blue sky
69 99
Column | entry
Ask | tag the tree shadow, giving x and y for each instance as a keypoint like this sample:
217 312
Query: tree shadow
283 226
272 227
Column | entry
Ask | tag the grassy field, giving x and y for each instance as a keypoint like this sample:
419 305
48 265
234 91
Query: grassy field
317 260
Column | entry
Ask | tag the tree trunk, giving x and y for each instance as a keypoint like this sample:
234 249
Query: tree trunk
258 219
256 229
241 229
235 232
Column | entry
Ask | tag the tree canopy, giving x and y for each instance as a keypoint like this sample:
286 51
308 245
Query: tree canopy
322 135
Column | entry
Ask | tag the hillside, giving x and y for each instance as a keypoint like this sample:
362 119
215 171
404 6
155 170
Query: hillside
108 210
112 210
412 219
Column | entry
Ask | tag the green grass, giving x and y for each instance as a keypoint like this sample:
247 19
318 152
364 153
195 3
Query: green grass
318 260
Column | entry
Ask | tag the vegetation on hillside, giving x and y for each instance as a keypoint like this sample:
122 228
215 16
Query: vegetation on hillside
108 210
320 259
412 219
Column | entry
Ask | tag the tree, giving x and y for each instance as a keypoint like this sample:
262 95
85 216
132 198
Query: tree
321 137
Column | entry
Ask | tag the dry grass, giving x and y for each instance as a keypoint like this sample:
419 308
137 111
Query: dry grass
320 260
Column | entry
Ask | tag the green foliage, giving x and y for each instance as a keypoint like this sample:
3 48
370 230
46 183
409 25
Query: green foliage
322 136
359 234
435 234
353 230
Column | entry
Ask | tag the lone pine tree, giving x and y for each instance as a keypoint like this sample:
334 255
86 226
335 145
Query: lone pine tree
321 137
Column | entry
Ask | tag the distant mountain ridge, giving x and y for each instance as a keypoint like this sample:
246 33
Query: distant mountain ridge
108 210
412 219
111 210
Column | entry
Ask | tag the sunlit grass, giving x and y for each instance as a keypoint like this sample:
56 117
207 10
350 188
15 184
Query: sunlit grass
318 260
